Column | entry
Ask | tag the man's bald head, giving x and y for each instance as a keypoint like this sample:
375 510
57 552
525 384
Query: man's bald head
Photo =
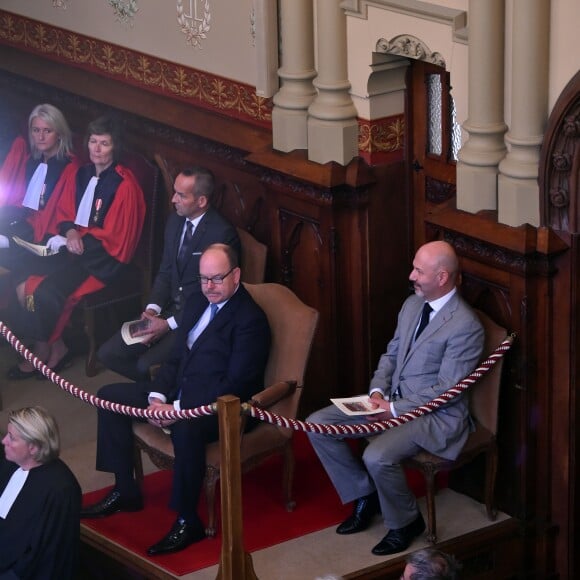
435 270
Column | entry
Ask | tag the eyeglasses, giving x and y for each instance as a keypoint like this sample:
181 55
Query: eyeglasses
219 279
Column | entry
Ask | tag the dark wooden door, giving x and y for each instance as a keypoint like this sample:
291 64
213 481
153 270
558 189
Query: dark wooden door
434 142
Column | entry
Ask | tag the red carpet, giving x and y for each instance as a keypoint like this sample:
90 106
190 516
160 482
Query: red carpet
266 521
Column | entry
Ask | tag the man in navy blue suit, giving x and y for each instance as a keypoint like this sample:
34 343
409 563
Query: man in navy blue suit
193 227
221 347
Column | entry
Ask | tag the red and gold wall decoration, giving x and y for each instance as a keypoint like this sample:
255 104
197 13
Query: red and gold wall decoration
382 141
197 87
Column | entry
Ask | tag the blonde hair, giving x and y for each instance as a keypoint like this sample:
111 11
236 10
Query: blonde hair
37 427
51 115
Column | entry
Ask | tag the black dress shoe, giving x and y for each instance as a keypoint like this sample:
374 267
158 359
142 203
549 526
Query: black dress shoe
111 504
179 537
14 373
362 514
400 539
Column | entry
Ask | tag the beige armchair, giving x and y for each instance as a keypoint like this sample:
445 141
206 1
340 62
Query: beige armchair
253 258
292 324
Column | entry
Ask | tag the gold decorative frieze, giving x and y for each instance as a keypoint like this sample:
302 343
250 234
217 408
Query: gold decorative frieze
381 140
199 88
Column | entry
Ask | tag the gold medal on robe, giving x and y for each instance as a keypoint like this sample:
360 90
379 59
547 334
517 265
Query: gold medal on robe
41 201
98 206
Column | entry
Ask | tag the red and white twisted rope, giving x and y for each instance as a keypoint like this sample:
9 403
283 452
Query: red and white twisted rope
67 386
256 412
362 429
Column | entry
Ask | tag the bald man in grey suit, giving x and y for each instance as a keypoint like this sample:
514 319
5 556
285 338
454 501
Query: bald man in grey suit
421 361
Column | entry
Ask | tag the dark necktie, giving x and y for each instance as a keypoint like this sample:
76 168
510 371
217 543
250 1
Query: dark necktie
184 251
424 319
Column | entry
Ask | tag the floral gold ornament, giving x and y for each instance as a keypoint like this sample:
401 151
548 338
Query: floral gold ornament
125 10
194 27
381 140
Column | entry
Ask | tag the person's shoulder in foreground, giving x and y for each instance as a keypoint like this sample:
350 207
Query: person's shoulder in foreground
40 501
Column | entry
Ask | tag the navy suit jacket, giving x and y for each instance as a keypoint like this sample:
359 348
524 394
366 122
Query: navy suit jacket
229 357
171 288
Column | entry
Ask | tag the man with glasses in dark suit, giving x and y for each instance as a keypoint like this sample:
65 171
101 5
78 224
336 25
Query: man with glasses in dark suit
221 347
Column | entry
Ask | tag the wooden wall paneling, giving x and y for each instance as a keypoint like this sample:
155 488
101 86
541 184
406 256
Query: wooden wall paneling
559 180
337 240
510 273
390 255
352 278
302 253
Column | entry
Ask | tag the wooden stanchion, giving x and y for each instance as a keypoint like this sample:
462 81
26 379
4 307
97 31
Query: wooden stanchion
235 563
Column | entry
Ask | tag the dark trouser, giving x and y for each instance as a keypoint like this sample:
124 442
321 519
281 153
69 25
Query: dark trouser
190 437
134 361
63 277
49 299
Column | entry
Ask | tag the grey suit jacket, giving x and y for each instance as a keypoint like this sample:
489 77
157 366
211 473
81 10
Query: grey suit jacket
411 375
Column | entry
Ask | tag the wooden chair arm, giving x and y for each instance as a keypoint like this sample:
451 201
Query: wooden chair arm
272 394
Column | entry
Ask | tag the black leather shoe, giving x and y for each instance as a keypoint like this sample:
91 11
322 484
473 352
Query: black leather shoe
400 539
179 537
362 514
112 504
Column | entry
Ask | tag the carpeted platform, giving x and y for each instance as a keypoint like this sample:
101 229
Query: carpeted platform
265 520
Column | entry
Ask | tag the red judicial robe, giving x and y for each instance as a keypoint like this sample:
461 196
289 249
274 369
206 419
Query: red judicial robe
115 223
13 183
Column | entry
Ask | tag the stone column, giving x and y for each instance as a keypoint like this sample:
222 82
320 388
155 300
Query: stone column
477 166
518 191
290 112
332 124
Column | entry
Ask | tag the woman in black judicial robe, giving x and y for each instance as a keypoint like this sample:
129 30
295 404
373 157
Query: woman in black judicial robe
40 502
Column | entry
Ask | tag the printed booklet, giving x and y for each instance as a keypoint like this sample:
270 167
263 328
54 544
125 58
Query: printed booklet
358 405
129 329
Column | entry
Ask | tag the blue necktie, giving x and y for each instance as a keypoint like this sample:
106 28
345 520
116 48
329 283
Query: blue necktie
213 308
